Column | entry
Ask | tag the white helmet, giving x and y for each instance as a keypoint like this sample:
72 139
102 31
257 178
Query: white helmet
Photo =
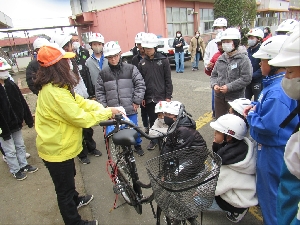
149 40
287 25
270 48
172 107
4 64
139 37
160 106
256 32
218 37
111 48
231 125
240 104
289 53
96 37
231 33
39 42
61 39
220 22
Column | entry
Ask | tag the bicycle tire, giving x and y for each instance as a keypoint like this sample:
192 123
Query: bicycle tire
129 195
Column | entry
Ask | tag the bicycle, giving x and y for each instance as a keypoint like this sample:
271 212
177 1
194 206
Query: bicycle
124 172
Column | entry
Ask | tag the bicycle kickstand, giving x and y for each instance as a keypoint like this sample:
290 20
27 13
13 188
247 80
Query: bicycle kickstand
153 211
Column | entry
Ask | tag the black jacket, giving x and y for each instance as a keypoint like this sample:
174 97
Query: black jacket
82 56
184 136
13 109
31 71
157 76
178 41
136 59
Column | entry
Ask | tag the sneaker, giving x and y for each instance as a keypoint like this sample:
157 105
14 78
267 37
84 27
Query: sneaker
139 150
27 155
29 169
84 160
84 200
152 145
193 69
96 153
94 222
19 175
236 217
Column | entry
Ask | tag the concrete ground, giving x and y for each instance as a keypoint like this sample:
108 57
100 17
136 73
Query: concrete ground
33 201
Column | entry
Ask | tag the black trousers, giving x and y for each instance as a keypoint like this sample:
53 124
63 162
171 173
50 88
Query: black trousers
88 143
150 107
62 174
144 116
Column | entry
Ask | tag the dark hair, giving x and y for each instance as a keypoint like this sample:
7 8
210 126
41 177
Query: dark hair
236 43
58 74
73 34
179 32
268 28
197 31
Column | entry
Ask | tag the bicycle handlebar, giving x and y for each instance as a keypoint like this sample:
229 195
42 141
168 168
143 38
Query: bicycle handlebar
118 121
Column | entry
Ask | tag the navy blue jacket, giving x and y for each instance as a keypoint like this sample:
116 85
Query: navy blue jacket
256 76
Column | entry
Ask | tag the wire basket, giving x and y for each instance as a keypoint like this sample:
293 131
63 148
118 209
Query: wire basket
184 181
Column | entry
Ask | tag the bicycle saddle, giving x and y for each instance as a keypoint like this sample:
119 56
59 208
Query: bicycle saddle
125 137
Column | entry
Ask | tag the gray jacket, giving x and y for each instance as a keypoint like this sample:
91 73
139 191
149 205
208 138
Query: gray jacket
94 69
235 72
120 85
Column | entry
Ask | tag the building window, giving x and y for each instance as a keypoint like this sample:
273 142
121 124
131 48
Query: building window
180 19
206 20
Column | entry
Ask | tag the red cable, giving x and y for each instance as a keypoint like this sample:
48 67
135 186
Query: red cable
113 166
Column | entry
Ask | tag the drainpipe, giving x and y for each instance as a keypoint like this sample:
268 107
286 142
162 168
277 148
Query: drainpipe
165 13
143 14
145 17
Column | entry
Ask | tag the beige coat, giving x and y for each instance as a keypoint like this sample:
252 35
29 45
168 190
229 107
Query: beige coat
193 47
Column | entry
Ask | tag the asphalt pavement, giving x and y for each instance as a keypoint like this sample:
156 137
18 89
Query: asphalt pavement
33 201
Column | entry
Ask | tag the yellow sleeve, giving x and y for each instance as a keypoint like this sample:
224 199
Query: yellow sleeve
88 105
78 111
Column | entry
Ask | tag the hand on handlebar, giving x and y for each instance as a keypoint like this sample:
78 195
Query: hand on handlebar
114 111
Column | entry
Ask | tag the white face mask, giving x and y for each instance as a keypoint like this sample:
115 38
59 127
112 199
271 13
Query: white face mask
98 49
251 42
219 30
4 75
75 45
161 120
227 47
197 35
178 35
291 87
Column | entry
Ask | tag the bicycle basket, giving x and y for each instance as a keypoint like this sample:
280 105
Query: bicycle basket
184 181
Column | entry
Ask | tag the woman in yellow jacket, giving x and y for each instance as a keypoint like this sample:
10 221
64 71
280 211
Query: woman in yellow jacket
60 116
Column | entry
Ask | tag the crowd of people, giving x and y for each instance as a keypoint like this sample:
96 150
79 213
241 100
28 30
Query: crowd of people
257 140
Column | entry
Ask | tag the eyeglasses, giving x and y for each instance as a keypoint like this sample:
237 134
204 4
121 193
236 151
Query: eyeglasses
112 56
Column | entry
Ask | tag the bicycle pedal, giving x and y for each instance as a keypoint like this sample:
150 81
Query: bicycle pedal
119 188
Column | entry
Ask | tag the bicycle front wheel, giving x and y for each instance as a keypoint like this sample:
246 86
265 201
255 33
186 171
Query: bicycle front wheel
128 192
